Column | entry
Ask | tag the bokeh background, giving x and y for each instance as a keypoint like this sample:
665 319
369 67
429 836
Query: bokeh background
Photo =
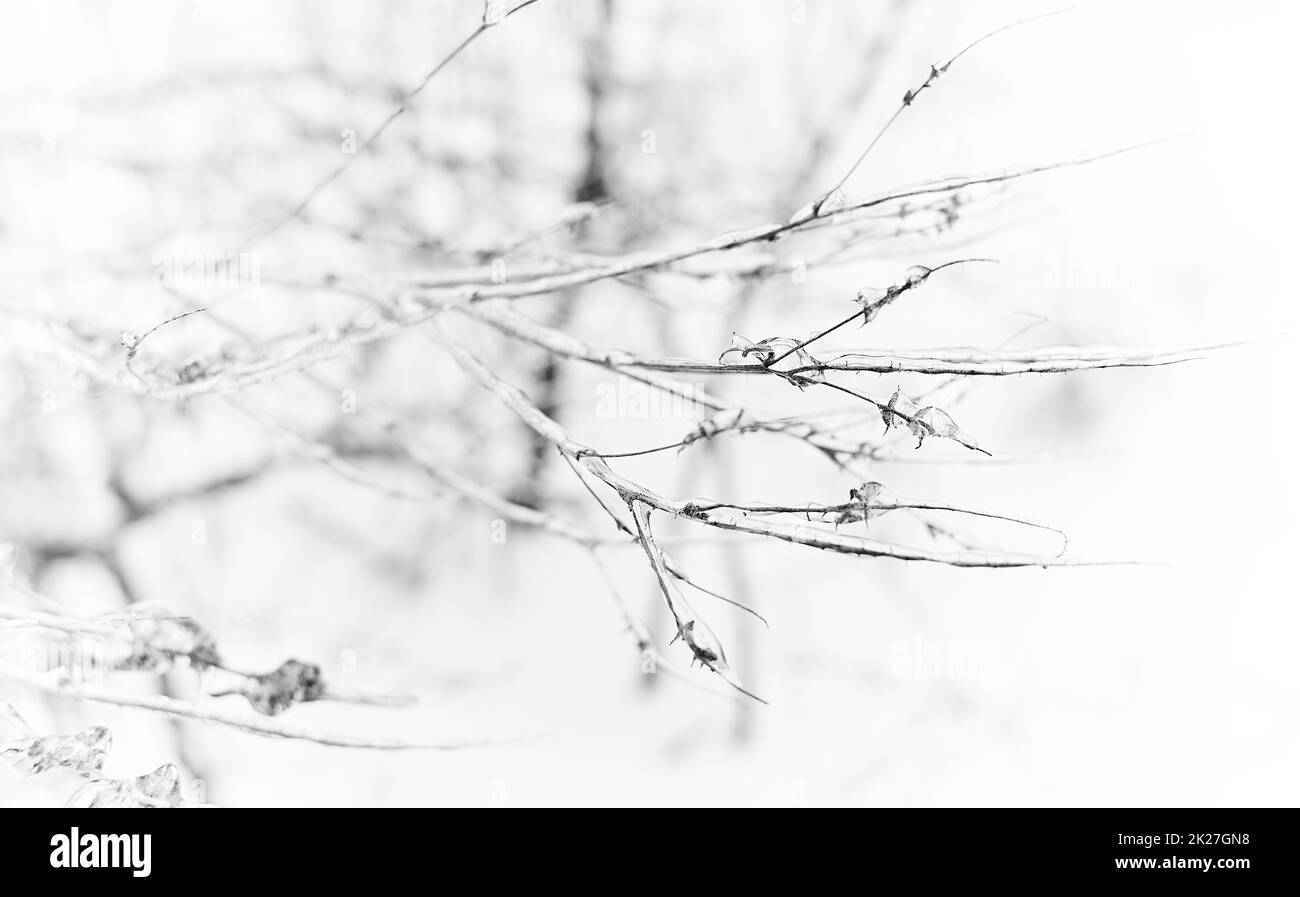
140 134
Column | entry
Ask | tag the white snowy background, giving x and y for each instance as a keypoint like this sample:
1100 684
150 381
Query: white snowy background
134 131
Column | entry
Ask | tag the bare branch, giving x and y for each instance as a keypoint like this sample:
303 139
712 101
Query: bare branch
489 19
256 726
908 98
630 491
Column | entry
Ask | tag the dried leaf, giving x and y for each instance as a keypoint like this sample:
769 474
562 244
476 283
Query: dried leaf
887 413
762 349
293 682
703 644
866 492
873 500
932 421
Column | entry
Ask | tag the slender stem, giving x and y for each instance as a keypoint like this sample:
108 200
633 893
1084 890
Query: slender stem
893 294
910 97
812 339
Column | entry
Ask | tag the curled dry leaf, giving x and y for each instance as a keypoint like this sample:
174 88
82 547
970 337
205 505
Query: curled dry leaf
739 344
923 421
772 347
897 402
872 499
866 493
932 421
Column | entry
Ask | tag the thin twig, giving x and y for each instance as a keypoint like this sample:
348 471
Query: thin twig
397 112
909 98
189 710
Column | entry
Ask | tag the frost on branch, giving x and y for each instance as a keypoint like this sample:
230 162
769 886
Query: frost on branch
158 642
83 753
160 788
916 275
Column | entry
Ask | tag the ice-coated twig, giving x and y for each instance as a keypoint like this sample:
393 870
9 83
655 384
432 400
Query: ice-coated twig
629 490
270 360
257 725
